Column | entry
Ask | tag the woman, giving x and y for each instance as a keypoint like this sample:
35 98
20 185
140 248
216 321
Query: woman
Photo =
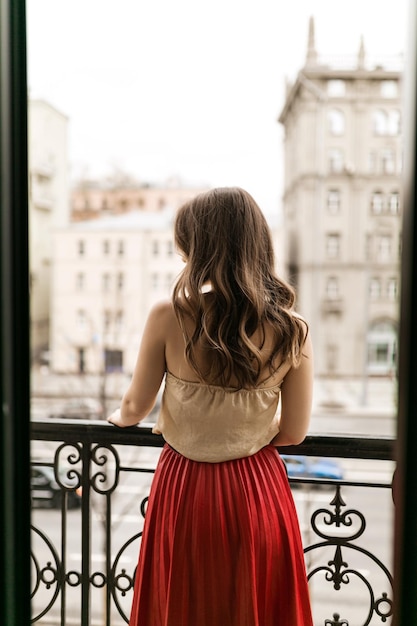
221 542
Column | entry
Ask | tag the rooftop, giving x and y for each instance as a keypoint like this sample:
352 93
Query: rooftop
132 220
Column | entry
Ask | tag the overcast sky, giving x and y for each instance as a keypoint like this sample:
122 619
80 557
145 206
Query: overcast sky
187 88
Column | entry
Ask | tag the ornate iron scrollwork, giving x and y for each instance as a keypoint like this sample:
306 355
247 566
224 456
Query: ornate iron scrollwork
337 570
48 576
120 581
68 478
108 481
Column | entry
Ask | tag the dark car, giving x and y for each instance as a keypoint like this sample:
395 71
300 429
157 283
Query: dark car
45 491
310 467
80 408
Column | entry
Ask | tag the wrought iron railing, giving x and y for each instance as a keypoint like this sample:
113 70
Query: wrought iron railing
95 479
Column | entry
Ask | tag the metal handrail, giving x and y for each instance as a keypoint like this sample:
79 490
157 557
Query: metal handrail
334 445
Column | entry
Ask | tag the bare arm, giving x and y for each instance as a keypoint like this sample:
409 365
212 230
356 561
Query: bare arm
296 400
140 397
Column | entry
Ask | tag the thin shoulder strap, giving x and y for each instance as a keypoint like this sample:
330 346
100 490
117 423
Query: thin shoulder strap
265 380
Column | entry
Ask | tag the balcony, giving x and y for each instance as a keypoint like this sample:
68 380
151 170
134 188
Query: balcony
84 549
330 306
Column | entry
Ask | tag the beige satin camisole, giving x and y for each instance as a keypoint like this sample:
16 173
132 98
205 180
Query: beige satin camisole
213 424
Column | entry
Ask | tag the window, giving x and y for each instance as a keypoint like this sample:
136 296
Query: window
394 202
394 123
336 120
380 122
392 288
336 88
119 321
81 247
377 203
170 248
113 360
335 160
155 281
333 201
384 243
381 205
386 123
389 89
81 360
378 353
80 281
375 288
169 279
106 246
332 288
81 319
120 281
121 248
106 321
155 247
382 344
333 246
388 162
105 282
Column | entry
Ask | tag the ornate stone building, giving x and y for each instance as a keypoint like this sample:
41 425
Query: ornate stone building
342 209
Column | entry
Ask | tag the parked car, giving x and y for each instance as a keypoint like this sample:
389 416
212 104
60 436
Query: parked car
45 491
80 408
310 467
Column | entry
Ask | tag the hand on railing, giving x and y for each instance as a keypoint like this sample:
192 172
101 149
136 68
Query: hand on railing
115 418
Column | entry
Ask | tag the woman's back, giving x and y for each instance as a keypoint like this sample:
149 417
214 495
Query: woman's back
178 364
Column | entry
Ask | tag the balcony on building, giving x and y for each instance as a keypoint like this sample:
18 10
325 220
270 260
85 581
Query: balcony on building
331 306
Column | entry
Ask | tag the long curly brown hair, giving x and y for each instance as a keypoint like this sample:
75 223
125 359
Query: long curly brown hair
227 244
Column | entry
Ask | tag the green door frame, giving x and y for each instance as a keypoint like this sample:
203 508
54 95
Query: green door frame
14 320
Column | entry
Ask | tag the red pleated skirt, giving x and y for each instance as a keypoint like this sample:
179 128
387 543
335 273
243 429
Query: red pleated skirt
221 546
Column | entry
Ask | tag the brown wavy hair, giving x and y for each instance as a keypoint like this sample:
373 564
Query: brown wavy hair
226 242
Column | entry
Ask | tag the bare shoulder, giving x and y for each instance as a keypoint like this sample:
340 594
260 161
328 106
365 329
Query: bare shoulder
162 309
299 317
161 316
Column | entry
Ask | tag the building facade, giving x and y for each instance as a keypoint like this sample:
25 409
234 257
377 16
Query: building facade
49 208
342 209
107 275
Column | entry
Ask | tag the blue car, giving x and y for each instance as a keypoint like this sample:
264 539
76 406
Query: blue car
311 467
